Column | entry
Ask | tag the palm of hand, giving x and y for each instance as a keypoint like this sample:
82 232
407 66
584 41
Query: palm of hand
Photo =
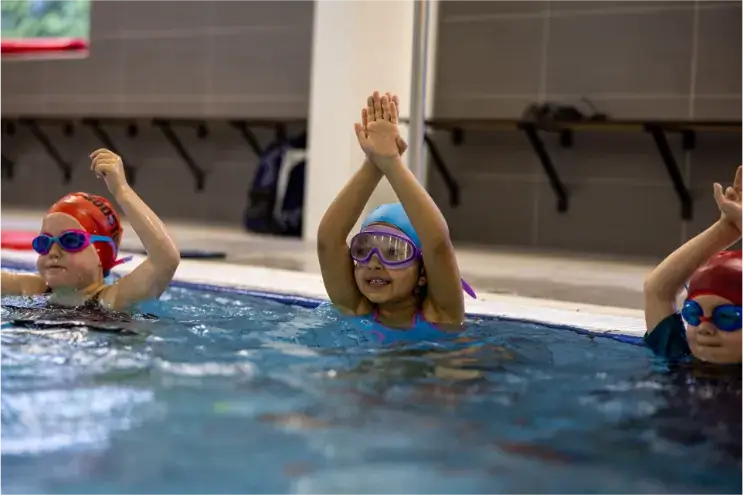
729 200
381 139
733 204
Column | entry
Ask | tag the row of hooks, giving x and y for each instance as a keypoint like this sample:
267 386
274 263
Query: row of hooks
656 129
100 128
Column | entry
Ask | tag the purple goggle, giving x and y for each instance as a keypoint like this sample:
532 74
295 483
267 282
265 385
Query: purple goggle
394 250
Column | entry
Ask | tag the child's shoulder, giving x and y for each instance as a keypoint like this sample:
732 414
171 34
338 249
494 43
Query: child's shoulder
668 338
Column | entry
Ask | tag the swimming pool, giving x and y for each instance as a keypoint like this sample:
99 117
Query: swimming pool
232 392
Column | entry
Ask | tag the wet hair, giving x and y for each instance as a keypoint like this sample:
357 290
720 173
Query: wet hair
421 292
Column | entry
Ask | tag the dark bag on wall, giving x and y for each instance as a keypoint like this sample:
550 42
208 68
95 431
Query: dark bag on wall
553 112
276 197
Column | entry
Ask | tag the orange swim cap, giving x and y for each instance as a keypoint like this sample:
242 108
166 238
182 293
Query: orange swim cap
720 276
97 217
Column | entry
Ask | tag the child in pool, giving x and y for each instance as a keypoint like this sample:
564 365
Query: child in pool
712 309
79 242
401 267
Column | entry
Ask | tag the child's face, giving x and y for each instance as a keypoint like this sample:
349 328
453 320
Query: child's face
382 285
60 268
707 342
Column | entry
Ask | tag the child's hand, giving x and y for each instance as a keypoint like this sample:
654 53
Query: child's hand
402 146
380 137
729 202
108 166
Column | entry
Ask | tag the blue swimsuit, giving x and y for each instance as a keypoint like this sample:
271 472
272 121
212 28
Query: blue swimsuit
374 331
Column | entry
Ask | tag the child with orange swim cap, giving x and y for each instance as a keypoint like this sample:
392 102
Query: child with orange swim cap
708 326
79 242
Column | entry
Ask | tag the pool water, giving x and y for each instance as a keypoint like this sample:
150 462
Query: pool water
228 393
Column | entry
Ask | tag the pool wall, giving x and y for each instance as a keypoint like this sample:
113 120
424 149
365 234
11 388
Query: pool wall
307 289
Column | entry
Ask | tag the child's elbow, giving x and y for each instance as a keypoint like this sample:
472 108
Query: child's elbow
325 229
327 236
441 245
170 262
648 284
654 288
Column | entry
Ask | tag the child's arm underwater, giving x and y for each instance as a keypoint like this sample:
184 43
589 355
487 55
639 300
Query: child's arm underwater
151 278
663 284
336 264
442 271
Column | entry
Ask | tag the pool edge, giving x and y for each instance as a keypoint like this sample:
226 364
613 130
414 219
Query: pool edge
307 290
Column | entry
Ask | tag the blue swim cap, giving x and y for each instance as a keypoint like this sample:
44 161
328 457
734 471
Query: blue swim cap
393 214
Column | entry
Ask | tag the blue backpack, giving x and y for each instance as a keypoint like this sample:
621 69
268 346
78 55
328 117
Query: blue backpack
276 197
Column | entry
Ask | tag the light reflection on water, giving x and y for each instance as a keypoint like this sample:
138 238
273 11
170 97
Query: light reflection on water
227 393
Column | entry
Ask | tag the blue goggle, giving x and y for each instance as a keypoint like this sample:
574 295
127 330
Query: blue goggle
726 317
72 241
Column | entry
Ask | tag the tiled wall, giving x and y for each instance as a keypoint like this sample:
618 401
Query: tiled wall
674 60
165 58
227 58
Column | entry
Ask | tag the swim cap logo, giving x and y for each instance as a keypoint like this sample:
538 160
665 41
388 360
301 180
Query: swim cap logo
111 217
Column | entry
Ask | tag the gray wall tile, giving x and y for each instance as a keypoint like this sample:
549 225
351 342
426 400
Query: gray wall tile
262 14
515 71
492 211
622 53
97 77
176 59
637 106
718 3
107 20
623 157
483 106
633 60
606 218
718 70
453 9
504 153
230 59
239 59
22 78
158 16
147 77
717 109
503 60
181 59
616 6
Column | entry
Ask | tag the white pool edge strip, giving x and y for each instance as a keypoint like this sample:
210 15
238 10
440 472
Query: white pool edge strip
599 319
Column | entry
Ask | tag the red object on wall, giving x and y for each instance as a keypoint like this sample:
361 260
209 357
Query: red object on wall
43 46
19 240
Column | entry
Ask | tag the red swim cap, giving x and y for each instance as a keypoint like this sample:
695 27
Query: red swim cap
720 276
97 217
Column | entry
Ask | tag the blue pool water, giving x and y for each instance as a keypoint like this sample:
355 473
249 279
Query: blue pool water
228 393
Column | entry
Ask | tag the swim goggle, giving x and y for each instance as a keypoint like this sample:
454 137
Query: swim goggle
726 317
72 241
393 249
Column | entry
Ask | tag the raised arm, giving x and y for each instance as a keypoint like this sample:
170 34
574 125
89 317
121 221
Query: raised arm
664 284
336 264
442 271
151 278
